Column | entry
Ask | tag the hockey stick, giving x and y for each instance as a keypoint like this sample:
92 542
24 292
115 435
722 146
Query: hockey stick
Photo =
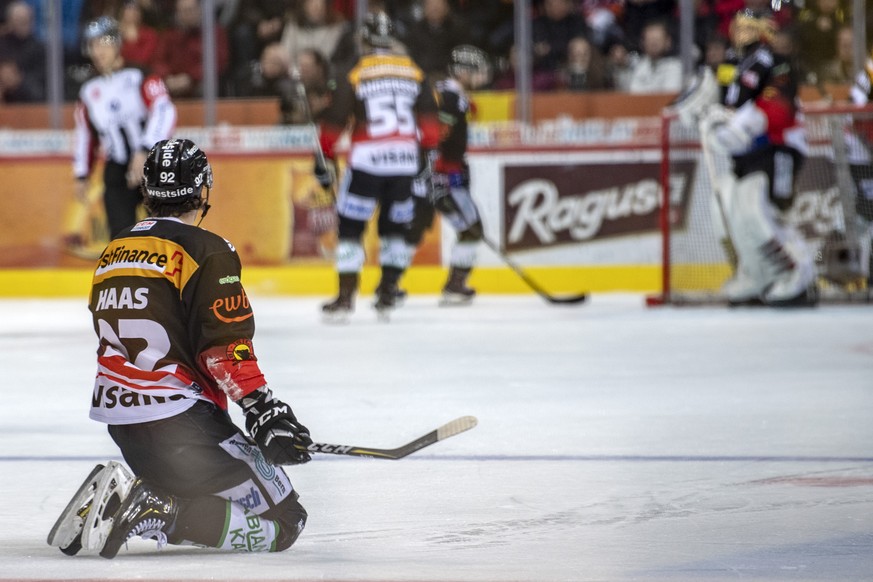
447 430
581 297
310 121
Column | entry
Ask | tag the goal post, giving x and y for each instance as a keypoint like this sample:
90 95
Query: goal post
831 208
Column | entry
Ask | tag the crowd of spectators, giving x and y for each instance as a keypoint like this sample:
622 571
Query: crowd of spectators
578 45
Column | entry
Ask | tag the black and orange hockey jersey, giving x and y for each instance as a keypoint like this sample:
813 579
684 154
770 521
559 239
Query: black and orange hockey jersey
391 111
174 323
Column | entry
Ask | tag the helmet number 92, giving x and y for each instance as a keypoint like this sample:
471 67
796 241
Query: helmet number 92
390 115
168 177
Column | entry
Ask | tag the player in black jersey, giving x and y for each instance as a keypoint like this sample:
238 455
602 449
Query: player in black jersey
449 190
385 106
175 329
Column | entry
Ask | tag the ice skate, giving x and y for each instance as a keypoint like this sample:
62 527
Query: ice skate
147 512
340 309
743 290
386 301
456 291
337 311
86 521
794 289
387 292
400 296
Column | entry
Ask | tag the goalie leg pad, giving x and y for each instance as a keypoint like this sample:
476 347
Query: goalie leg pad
752 225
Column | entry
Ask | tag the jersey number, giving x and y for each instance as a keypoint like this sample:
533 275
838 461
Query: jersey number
157 342
390 115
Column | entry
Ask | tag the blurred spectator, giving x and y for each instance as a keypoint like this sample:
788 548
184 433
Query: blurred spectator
12 87
258 23
639 13
272 77
656 71
430 41
71 23
705 26
4 4
603 18
541 80
492 25
817 35
725 11
585 69
314 25
180 55
715 52
139 43
158 14
552 31
19 45
620 63
840 69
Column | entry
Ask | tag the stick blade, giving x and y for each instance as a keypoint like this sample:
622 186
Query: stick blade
456 426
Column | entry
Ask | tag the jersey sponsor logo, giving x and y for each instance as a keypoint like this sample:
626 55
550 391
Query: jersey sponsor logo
144 225
225 307
117 396
750 79
241 350
183 191
250 538
115 255
125 298
251 500
153 88
228 280
145 257
393 158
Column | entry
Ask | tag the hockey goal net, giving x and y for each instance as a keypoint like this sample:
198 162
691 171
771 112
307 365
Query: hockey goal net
696 260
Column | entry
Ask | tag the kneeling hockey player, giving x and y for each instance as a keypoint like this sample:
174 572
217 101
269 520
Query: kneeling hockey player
175 329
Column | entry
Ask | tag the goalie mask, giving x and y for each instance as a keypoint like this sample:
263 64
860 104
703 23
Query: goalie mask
176 171
750 26
470 65
377 31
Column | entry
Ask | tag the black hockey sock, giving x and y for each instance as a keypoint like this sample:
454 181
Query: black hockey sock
200 521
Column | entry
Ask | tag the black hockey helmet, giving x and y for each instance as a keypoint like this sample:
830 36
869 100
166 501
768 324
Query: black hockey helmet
377 31
175 171
104 27
467 58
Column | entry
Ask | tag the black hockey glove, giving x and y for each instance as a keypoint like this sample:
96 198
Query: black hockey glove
275 428
324 173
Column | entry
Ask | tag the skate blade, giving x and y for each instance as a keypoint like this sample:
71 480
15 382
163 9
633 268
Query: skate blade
454 300
336 317
114 486
69 524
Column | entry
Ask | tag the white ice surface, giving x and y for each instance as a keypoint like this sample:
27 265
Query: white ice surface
614 443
